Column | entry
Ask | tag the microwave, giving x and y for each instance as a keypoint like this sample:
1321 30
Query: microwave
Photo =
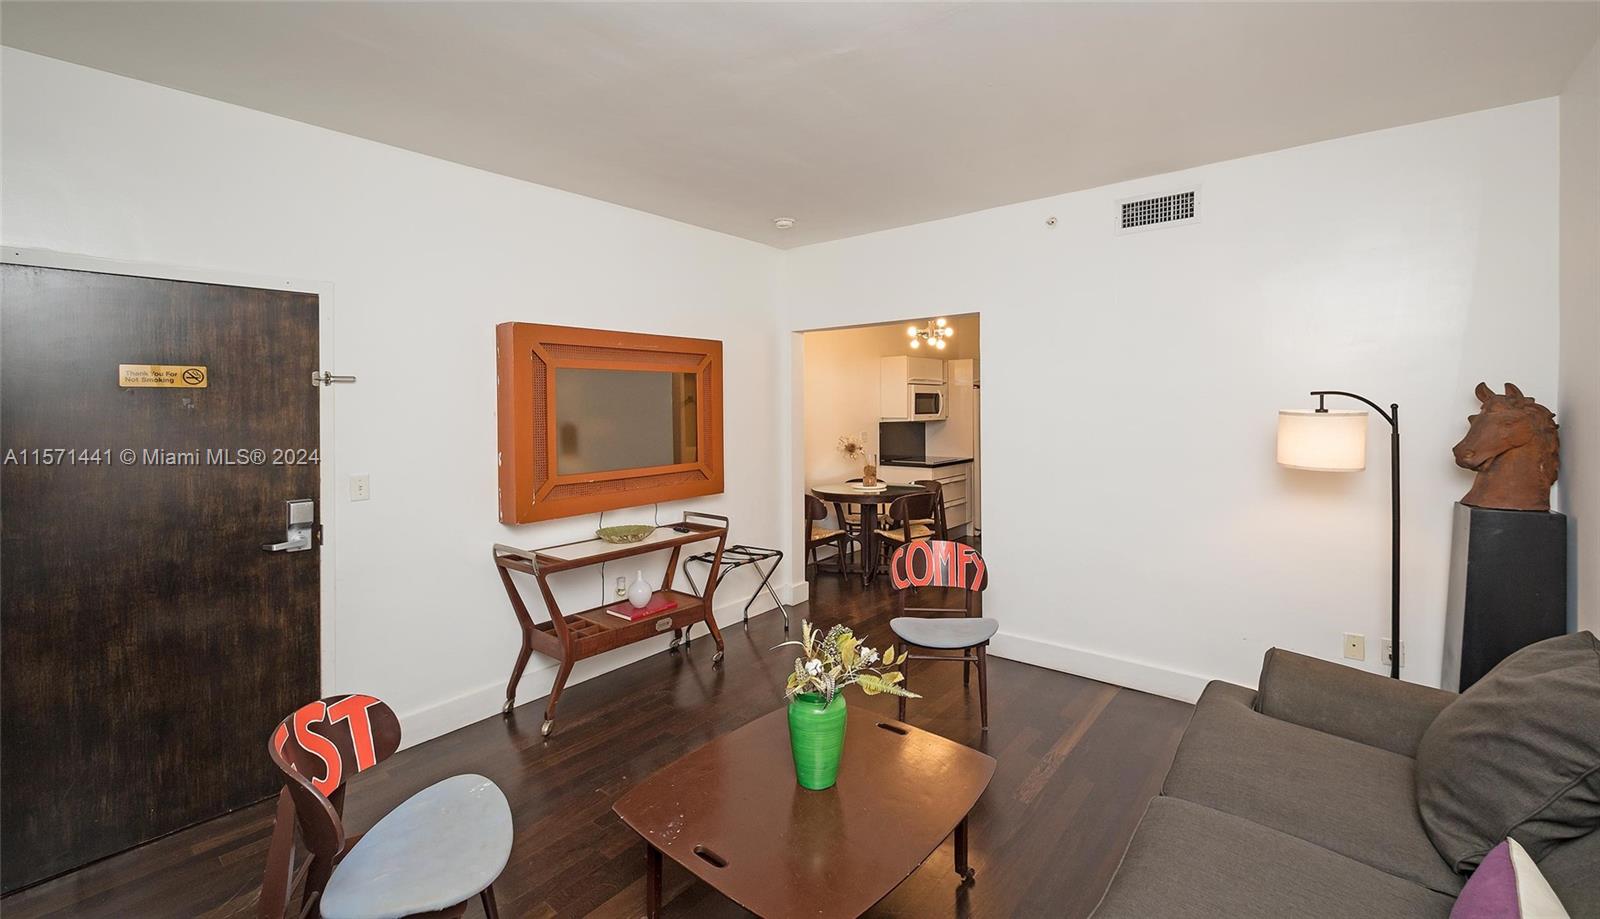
925 401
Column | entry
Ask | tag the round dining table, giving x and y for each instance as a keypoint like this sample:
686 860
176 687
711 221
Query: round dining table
842 493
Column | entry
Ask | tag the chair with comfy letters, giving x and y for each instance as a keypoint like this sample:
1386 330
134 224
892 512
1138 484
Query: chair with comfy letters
939 563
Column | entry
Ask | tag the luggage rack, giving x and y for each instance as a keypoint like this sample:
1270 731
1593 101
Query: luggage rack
732 559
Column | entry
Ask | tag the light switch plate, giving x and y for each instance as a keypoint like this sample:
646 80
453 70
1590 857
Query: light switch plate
360 487
1355 646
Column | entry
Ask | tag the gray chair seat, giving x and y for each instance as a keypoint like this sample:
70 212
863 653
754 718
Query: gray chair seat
441 847
943 633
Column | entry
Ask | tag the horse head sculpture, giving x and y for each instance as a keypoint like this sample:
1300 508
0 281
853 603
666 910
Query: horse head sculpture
1512 445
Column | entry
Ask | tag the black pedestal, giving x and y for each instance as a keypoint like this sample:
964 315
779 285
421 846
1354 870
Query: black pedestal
1508 588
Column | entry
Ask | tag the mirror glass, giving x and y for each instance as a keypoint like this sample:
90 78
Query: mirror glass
624 419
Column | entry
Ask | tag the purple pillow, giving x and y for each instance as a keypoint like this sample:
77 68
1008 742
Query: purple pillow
1507 885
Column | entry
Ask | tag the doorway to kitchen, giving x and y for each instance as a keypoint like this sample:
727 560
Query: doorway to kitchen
898 402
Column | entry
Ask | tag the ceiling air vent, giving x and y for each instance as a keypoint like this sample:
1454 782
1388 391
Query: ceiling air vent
1140 213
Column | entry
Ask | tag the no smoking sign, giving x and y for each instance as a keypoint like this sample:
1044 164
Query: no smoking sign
179 376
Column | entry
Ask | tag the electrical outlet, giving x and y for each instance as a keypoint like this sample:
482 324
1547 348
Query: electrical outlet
360 487
1387 644
1355 646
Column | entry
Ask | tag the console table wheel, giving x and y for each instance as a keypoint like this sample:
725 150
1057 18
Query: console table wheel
506 708
716 659
547 727
673 647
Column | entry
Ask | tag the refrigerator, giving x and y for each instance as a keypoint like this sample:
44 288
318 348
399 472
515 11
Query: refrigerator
960 433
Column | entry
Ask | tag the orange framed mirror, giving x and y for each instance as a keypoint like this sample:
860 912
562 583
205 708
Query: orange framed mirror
592 420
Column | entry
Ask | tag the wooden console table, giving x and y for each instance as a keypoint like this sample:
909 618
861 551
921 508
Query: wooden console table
571 637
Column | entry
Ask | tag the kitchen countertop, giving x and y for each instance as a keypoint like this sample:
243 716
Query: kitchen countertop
925 462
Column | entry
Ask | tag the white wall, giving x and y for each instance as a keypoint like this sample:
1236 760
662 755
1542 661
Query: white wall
1578 412
425 257
1142 532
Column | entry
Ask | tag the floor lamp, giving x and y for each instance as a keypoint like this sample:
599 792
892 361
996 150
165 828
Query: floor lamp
1325 441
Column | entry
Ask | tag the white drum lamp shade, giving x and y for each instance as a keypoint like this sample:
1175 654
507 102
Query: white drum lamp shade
1322 441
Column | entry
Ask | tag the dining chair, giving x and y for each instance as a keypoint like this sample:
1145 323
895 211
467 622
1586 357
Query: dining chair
937 522
903 522
816 534
849 515
428 857
925 563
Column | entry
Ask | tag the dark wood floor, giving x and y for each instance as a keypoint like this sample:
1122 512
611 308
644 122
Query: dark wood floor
1077 762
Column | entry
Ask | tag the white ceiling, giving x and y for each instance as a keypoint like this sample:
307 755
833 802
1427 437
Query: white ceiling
849 117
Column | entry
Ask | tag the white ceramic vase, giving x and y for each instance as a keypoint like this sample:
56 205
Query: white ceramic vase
639 591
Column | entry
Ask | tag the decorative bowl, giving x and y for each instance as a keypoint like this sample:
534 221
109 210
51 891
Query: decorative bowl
622 535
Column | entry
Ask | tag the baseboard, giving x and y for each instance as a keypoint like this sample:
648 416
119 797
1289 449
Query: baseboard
441 718
1162 681
797 593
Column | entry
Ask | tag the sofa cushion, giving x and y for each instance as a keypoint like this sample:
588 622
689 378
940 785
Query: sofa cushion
1349 703
1190 862
1571 868
1518 754
1356 800
1507 885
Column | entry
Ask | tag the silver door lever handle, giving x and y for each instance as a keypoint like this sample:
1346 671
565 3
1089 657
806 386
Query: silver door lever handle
299 542
300 529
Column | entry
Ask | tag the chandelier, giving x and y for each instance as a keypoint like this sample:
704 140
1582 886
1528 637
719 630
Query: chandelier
933 334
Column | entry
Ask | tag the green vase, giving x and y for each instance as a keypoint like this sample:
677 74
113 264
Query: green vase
816 737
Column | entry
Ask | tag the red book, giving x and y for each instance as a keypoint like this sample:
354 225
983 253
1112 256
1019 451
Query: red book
659 603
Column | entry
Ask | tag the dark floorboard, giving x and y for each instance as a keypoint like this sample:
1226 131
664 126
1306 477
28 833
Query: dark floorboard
1078 760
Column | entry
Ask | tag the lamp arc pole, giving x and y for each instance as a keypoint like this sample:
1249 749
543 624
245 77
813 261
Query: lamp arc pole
1393 417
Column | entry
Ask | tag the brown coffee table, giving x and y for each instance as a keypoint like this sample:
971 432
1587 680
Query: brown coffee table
732 813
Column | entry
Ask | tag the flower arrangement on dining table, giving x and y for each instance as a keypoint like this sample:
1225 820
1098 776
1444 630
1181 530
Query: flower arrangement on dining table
834 660
854 447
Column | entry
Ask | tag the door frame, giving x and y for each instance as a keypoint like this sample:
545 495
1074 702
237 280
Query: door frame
67 261
795 475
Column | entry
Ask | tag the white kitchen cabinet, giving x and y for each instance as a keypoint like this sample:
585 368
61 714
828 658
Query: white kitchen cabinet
910 388
905 369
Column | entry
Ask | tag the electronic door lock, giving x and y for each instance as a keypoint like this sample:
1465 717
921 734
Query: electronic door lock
300 529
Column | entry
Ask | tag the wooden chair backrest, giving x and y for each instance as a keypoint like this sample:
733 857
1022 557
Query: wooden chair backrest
938 563
815 510
936 488
906 508
318 748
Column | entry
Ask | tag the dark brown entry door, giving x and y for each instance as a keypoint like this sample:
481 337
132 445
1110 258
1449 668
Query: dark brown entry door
148 642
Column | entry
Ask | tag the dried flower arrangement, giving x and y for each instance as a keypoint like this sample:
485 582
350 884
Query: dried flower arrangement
853 446
837 659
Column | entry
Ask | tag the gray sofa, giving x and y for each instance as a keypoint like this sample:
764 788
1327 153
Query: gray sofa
1302 799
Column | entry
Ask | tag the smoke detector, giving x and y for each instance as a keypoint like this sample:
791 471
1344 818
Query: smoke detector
783 223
